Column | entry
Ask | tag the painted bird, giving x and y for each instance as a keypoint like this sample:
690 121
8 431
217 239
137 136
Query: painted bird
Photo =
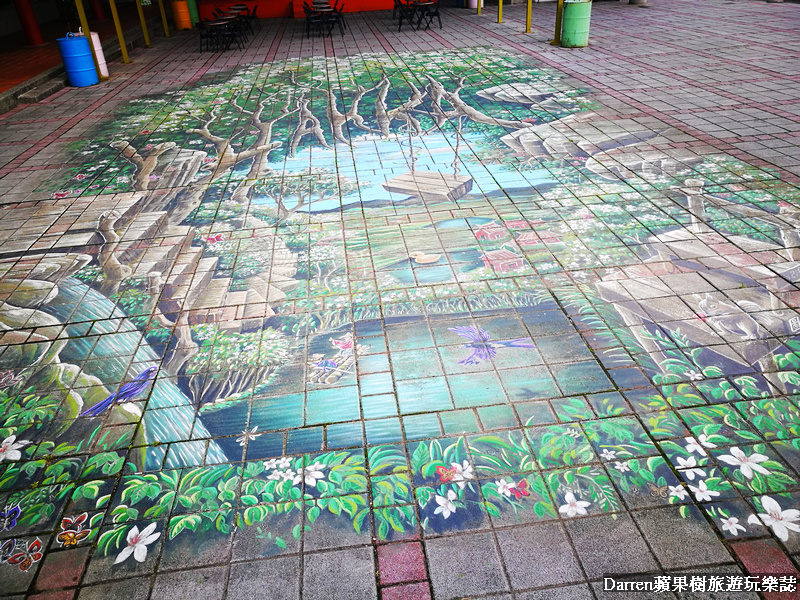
482 348
126 393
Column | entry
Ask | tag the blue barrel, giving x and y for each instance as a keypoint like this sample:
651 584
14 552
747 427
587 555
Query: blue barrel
78 62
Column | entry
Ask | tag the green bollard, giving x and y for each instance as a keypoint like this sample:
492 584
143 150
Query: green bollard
575 23
194 15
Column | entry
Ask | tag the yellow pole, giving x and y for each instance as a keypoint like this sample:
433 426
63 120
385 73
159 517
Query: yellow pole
163 18
87 33
480 6
500 12
559 14
144 23
528 17
118 27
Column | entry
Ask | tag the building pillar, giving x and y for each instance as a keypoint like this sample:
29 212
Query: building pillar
97 9
29 23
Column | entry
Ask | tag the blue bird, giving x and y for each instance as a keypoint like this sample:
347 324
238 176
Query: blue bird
482 348
126 392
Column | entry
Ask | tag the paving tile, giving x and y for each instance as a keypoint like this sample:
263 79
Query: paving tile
208 583
610 544
357 581
465 565
278 577
135 588
567 592
555 564
684 543
398 563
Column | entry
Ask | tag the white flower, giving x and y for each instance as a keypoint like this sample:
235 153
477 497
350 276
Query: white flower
504 488
271 464
573 506
699 445
9 449
678 491
621 467
284 462
137 543
313 472
694 375
781 521
275 475
747 464
248 436
702 493
607 454
731 524
446 506
687 466
463 473
289 475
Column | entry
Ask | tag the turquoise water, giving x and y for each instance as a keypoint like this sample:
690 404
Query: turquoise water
117 344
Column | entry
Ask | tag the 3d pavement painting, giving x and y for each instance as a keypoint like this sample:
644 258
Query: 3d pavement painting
384 295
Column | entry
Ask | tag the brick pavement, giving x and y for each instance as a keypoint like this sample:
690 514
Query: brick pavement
409 315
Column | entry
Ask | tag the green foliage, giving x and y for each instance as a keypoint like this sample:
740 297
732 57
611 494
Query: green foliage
24 409
234 350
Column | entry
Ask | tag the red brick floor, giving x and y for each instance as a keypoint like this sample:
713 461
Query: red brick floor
22 62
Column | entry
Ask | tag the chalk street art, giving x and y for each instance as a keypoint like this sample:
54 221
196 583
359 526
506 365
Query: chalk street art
387 294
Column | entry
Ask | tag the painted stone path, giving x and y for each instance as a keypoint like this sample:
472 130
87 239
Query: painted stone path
333 302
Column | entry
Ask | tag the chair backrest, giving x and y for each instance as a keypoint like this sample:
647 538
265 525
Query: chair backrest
254 12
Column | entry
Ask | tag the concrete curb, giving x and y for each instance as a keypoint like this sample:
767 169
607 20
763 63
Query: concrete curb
50 81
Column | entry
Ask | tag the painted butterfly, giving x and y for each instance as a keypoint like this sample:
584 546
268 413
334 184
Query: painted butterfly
74 523
521 489
657 491
32 554
446 474
71 538
73 530
8 518
214 238
7 549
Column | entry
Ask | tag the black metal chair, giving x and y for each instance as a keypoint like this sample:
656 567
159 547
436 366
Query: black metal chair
337 18
407 12
253 17
429 12
208 36
314 21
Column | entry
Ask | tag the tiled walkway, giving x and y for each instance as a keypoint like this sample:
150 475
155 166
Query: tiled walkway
446 314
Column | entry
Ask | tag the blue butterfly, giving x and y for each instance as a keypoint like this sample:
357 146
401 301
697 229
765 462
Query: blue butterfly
8 518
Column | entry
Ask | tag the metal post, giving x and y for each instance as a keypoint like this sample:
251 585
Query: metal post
163 18
528 17
559 14
118 27
500 11
480 7
88 34
144 23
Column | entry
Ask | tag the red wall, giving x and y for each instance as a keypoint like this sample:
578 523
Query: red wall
268 9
